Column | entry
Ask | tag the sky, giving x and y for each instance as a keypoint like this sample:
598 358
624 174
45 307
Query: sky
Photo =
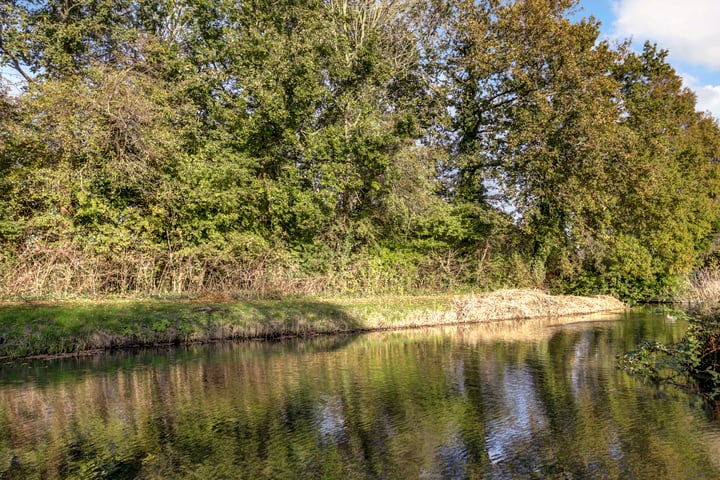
687 29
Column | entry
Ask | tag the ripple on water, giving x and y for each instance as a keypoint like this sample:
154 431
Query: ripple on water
519 400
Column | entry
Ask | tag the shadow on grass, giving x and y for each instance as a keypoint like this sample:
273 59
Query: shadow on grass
27 329
304 316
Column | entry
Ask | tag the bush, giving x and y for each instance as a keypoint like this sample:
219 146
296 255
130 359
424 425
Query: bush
693 363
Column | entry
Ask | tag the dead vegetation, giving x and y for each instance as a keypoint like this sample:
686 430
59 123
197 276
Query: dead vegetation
703 292
514 304
518 304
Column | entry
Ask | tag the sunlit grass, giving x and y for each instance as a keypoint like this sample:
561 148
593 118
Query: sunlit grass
69 327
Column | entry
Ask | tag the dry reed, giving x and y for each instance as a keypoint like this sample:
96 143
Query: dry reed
703 291
67 270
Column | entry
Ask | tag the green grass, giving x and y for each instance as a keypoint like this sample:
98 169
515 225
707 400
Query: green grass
30 329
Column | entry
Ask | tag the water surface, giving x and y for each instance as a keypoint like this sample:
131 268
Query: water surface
521 399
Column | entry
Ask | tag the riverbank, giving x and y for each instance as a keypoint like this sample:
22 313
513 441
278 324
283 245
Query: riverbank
37 329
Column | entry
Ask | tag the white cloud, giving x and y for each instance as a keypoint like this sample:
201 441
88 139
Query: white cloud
708 96
688 29
709 99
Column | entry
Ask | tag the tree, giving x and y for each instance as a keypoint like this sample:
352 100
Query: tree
210 133
535 119
586 144
667 186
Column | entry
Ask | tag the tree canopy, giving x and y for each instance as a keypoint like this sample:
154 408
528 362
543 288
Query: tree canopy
344 145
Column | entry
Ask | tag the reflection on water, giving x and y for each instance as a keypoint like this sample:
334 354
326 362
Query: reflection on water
522 399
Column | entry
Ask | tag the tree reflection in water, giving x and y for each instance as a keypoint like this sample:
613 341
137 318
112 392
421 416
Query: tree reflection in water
533 399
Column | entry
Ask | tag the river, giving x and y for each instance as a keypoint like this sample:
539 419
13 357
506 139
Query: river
519 399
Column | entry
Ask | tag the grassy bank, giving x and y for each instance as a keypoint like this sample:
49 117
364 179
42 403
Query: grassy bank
71 327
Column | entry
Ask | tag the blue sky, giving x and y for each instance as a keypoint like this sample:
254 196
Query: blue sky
688 29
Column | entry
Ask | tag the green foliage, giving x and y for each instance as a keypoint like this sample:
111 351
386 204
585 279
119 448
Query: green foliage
624 269
163 146
596 149
693 362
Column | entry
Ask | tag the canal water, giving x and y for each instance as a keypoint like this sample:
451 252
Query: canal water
520 399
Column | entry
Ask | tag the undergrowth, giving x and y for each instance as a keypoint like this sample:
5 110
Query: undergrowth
693 363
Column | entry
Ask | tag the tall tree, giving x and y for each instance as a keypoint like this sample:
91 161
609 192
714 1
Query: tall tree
535 119
584 142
